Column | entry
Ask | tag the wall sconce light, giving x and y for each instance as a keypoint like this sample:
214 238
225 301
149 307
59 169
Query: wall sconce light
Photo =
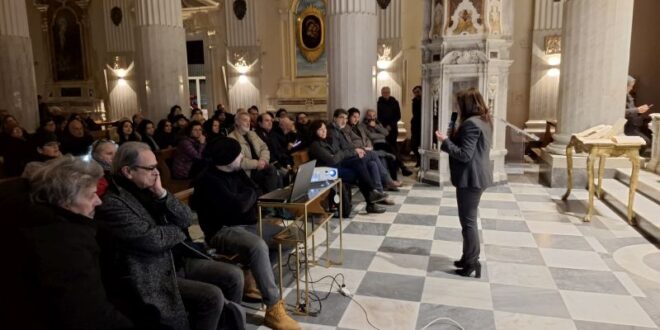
118 69
243 79
122 82
554 72
383 75
554 60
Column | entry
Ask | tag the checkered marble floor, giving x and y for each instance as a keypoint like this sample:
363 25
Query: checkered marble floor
543 268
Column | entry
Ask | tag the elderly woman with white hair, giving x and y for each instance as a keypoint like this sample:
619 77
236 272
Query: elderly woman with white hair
638 118
51 249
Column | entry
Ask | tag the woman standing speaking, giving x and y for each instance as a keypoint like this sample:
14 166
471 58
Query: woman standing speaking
469 165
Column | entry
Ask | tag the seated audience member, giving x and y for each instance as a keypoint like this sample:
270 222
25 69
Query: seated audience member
17 151
349 163
378 135
276 142
46 148
55 281
164 135
198 116
47 127
637 123
294 141
256 156
75 140
103 151
89 123
338 135
356 132
174 112
140 224
225 200
127 132
189 151
281 113
60 126
147 132
179 124
137 119
302 125
226 118
253 111
8 124
213 129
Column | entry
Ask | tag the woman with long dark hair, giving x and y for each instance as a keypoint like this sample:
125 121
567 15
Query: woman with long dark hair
189 151
127 132
164 135
147 130
469 165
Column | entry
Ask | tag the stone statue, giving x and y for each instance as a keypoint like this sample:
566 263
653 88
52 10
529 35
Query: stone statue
438 15
465 24
494 20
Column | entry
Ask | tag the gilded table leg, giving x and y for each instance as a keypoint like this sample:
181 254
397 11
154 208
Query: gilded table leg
601 173
590 180
569 170
634 176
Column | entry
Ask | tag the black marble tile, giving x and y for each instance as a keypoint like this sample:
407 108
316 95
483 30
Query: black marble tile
392 286
406 246
416 219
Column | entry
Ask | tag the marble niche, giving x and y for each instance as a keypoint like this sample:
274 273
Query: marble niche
467 45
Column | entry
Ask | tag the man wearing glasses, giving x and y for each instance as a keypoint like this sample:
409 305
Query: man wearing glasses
152 268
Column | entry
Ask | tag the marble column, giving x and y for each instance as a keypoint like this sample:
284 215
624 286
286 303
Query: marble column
654 164
352 36
18 90
594 68
160 60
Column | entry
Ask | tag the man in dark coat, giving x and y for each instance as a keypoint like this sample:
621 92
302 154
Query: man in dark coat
389 114
416 123
140 225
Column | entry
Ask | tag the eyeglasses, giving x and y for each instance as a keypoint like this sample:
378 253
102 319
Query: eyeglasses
147 168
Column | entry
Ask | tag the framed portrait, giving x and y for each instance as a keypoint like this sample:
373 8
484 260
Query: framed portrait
310 33
67 46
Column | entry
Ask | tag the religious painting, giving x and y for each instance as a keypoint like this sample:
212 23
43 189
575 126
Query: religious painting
311 34
67 46
437 17
465 16
311 60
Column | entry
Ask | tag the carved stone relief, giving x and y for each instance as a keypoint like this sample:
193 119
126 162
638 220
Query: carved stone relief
494 20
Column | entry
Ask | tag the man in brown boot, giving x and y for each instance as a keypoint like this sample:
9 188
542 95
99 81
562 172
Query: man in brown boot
225 200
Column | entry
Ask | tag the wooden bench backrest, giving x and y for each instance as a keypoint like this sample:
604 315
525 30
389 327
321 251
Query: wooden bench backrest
299 157
164 158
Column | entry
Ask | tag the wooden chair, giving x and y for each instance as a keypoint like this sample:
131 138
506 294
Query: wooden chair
164 158
184 195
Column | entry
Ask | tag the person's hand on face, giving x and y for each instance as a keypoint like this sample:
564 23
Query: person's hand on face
202 139
643 108
157 189
372 123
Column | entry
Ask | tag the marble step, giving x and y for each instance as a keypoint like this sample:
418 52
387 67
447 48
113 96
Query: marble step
647 184
646 211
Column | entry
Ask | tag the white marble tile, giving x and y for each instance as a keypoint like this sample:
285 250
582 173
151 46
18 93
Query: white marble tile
595 244
425 193
631 258
508 238
447 248
404 264
420 209
516 321
411 231
309 326
501 197
528 190
538 206
629 284
557 228
519 274
573 259
500 214
359 242
387 217
383 313
471 294
448 221
606 308
447 201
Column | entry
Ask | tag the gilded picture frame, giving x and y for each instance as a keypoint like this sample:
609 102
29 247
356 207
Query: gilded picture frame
310 33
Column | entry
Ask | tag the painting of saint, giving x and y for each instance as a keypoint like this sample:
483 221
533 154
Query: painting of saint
465 24
67 46
438 15
312 33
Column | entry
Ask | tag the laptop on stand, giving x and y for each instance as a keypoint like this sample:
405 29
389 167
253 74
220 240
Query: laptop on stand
296 192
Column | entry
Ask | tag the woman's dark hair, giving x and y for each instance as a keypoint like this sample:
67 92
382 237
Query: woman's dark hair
280 111
260 119
142 126
177 118
173 110
161 125
120 130
208 126
190 127
351 111
299 114
471 103
315 127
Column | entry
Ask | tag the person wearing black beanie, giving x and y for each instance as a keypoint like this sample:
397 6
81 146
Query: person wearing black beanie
225 199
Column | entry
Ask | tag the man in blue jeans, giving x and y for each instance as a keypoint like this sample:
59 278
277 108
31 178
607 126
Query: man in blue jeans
225 200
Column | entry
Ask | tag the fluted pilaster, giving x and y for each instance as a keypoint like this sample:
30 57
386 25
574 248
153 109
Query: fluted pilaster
594 68
161 61
18 91
352 27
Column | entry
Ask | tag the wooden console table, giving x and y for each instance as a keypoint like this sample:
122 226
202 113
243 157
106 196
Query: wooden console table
599 145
